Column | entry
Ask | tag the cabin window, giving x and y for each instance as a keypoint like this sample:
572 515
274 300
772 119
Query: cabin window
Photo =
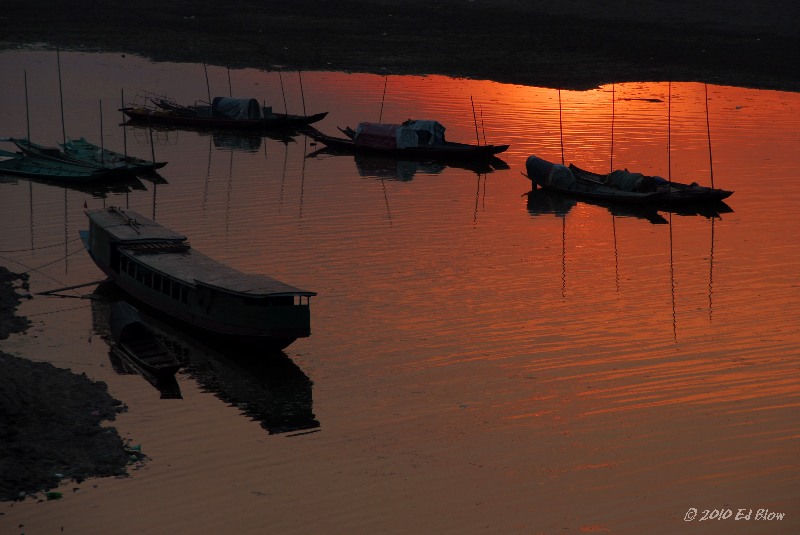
175 291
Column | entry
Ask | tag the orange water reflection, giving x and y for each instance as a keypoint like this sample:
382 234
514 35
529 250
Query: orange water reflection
471 342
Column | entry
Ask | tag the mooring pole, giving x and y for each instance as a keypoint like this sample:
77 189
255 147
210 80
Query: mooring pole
61 95
561 126
27 112
475 120
708 129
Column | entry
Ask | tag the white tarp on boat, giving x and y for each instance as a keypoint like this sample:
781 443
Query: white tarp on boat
399 136
236 108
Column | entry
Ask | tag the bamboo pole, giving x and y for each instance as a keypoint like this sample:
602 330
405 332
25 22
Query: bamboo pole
561 126
708 129
475 120
61 95
27 109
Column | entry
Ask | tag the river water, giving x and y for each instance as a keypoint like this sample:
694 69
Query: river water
480 359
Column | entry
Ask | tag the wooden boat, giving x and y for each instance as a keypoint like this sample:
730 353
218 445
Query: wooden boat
158 267
223 113
412 140
675 192
135 342
620 186
17 164
559 178
81 152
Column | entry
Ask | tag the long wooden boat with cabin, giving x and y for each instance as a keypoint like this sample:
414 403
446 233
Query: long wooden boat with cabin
157 266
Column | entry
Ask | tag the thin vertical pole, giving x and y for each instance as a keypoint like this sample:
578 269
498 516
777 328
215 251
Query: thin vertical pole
61 95
483 126
124 128
27 112
475 119
708 128
613 116
102 143
208 85
302 94
280 77
230 89
561 126
383 98
669 132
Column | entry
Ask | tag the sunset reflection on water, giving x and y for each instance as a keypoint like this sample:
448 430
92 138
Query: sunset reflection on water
562 364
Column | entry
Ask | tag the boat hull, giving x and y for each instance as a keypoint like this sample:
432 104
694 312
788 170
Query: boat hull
445 152
169 118
168 278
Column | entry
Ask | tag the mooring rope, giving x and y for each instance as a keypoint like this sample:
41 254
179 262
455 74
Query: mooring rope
38 248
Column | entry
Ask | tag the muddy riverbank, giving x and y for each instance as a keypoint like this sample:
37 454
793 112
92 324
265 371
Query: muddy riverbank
52 421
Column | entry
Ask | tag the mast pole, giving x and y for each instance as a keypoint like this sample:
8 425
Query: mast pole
383 98
708 129
613 116
102 143
302 94
208 86
61 95
669 132
27 112
124 128
475 120
560 126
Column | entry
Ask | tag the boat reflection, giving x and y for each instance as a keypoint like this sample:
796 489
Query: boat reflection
98 189
541 202
105 314
549 202
389 168
267 387
242 140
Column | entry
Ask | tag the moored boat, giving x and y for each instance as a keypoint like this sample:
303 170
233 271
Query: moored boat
413 139
158 267
38 168
223 113
83 153
619 185
135 342
559 178
674 192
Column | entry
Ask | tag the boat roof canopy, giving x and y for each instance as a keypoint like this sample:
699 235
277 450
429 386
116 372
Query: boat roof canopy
182 263
194 268
131 227
235 108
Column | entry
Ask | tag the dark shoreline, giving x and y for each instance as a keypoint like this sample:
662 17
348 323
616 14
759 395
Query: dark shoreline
572 44
51 420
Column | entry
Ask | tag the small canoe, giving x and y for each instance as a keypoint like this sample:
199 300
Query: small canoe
84 153
135 342
30 167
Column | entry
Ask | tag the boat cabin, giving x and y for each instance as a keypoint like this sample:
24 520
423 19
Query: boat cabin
158 266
